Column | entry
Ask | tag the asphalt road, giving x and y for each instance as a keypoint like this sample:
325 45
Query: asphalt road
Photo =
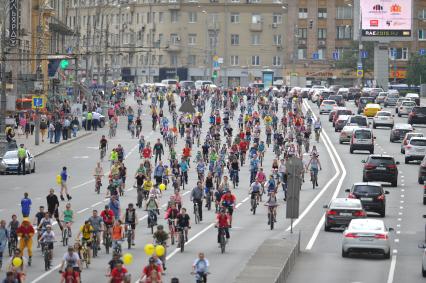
321 255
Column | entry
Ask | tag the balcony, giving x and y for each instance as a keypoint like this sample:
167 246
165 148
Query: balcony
173 5
174 48
56 25
213 26
256 27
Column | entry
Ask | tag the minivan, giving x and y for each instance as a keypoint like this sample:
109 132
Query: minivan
171 83
362 139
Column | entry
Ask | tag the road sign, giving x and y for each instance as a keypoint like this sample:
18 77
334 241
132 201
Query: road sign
220 60
422 52
216 65
360 73
359 66
315 56
37 102
215 58
336 55
295 168
364 54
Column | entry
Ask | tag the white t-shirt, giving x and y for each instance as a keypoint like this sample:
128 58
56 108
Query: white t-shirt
71 259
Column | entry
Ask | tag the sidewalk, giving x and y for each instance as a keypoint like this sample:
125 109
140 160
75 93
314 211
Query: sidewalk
46 146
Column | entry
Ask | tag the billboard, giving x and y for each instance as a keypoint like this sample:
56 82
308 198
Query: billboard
386 18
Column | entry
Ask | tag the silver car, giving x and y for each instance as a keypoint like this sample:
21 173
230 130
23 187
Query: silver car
341 211
366 235
9 162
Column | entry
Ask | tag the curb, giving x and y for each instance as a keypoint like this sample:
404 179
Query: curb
63 143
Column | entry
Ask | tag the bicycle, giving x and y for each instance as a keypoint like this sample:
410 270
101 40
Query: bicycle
66 234
129 236
47 255
107 240
317 134
222 239
152 219
181 239
172 230
209 199
95 244
12 244
271 217
196 213
199 276
98 184
314 178
234 178
242 158
85 254
182 180
103 153
254 204
117 248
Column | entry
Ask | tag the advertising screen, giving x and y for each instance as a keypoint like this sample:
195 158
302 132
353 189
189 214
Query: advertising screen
386 18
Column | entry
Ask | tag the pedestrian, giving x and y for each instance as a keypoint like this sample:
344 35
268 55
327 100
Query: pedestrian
58 130
65 130
89 121
75 125
96 118
64 188
22 156
26 205
4 236
197 196
158 173
43 126
26 232
51 133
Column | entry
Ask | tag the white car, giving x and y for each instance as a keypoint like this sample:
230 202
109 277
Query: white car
415 149
383 118
9 162
399 102
363 235
407 138
406 107
346 133
327 106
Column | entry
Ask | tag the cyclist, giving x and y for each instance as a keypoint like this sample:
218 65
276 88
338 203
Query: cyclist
70 276
119 274
13 227
255 191
197 195
151 271
86 232
160 238
272 204
222 222
184 166
103 145
72 259
43 223
314 163
152 203
171 215
4 236
131 219
271 185
98 173
234 169
116 258
200 267
96 222
228 202
317 128
48 238
183 222
117 234
254 166
108 219
67 216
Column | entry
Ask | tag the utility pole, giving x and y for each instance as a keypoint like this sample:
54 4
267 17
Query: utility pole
150 42
88 34
38 69
77 51
3 142
106 58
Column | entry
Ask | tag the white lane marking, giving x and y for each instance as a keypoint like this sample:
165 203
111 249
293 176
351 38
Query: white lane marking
83 210
396 240
95 204
45 274
402 190
402 196
81 157
243 201
401 207
392 268
93 147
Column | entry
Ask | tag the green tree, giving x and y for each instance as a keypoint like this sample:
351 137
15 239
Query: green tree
349 58
416 73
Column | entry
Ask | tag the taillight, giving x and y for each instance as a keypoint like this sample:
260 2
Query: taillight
392 166
351 235
331 212
359 213
381 236
381 197
407 146
369 166
351 195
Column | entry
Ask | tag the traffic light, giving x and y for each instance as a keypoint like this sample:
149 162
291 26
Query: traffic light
214 76
64 64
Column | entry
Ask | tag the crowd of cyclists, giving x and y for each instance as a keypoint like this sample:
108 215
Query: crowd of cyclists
229 129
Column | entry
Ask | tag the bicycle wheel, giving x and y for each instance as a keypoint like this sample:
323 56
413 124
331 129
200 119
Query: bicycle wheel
129 240
253 205
46 261
271 220
182 242
95 248
314 181
107 240
222 242
172 236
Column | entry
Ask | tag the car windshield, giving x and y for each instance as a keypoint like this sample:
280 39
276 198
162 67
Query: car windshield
10 154
418 142
392 95
408 103
366 189
344 112
361 121
381 160
329 102
384 114
366 100
420 110
363 134
345 204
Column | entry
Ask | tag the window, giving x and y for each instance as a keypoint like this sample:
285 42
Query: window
344 32
422 34
254 1
302 33
398 53
277 39
235 1
161 17
235 39
322 53
213 41
160 60
276 61
173 60
255 60
235 18
160 38
192 60
303 13
276 1
422 14
192 17
322 13
192 39
256 18
277 18
174 16
235 60
174 38
344 12
322 33
213 18
255 39
301 53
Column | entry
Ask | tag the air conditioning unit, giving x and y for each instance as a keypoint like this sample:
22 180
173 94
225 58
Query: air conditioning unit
178 38
321 42
279 46
302 41
274 25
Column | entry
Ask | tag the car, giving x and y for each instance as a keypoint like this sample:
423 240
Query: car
313 89
9 162
423 247
363 101
102 120
341 122
173 84
407 137
335 88
381 97
347 132
413 97
417 115
305 92
327 106
374 92
360 120
421 177
343 91
354 93
338 98
371 109
341 111
399 102
201 84
340 212
366 235
380 168
372 196
331 115
405 108
399 130
188 85
325 94
391 99
362 139
415 149
315 97
383 118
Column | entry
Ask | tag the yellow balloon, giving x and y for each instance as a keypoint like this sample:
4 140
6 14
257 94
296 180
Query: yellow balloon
127 259
149 249
17 262
160 250
162 187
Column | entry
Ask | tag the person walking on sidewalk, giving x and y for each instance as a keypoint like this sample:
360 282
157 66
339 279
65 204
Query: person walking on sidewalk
22 155
158 149
26 205
51 133
64 188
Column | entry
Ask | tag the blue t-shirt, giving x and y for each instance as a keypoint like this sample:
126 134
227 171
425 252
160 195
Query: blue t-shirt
64 175
254 164
183 166
26 205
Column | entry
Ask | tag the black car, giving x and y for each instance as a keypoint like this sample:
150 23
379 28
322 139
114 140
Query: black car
382 168
417 115
341 211
364 101
371 195
338 98
354 93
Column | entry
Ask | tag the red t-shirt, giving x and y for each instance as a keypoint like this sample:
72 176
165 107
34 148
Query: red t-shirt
70 277
147 152
243 146
228 198
107 216
186 151
117 276
222 220
148 271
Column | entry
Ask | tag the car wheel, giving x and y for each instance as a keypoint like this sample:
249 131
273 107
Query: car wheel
364 179
340 142
351 150
374 126
399 114
372 150
396 110
345 254
407 160
382 213
33 171
394 183
424 200
424 272
386 255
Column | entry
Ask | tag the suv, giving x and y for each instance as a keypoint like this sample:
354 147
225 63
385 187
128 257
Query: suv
407 137
399 130
341 111
415 149
417 115
362 139
381 168
338 98
372 196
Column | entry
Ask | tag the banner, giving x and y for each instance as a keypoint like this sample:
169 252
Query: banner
13 22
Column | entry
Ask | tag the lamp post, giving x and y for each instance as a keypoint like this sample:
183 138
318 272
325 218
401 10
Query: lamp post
3 142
